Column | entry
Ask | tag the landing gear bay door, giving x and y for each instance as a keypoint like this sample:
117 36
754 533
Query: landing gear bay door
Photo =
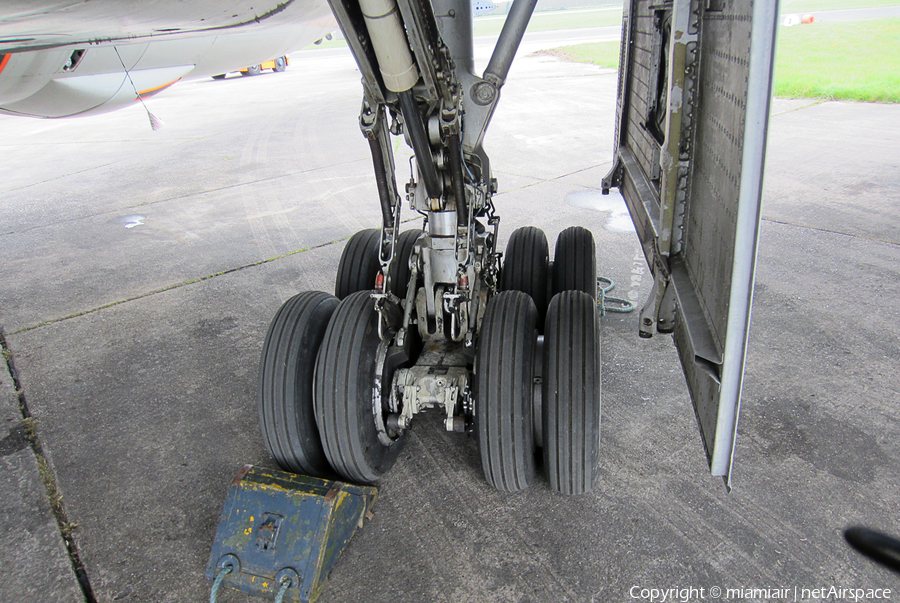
693 103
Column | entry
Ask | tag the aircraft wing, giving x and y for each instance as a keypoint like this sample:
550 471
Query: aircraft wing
693 105
60 59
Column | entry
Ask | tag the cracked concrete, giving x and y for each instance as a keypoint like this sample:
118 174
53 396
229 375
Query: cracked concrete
36 565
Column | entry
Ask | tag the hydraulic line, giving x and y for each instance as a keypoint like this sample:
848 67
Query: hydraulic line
415 127
384 189
456 179
398 70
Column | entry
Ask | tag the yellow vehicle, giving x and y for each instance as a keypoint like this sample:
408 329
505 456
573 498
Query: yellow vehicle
277 65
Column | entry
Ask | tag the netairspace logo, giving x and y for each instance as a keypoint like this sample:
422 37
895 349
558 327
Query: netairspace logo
795 594
833 593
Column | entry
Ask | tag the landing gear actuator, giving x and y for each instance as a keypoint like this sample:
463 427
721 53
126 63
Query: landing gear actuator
431 318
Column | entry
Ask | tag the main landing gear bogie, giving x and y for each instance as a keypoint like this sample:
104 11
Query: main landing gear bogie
339 385
431 320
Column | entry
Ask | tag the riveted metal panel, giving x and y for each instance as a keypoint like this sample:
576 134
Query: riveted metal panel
693 187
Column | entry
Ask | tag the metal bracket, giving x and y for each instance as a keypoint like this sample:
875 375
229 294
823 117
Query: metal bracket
389 313
675 156
613 178
350 19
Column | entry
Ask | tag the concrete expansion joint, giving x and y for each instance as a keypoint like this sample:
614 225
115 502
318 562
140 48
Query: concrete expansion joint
538 180
24 435
830 231
186 283
801 108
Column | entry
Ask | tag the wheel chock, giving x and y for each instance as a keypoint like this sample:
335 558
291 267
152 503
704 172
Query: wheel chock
278 528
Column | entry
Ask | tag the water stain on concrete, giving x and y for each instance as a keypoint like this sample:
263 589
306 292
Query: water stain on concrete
131 221
619 220
214 327
14 442
788 428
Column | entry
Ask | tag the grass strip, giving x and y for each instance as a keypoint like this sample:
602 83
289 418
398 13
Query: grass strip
29 429
847 60
490 25
604 54
812 6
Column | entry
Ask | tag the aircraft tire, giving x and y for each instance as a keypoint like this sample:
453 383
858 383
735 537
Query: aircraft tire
575 262
400 271
280 64
571 393
526 267
285 383
345 375
359 263
504 400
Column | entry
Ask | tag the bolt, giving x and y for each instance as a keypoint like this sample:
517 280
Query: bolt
483 93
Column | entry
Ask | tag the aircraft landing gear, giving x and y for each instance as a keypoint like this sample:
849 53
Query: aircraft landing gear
427 319
339 387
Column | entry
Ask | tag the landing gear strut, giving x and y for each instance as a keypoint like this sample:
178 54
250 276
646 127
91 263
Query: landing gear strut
432 319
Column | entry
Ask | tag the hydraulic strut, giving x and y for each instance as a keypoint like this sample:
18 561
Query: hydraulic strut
398 70
419 139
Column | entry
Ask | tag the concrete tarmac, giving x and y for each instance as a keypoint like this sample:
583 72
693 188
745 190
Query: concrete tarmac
139 271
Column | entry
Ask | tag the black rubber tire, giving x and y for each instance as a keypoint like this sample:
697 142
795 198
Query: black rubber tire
280 64
571 393
220 76
253 70
285 383
400 272
526 267
504 400
345 375
359 263
575 262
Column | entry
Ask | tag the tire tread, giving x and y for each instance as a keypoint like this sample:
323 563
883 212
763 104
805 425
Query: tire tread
526 267
343 384
571 393
359 263
575 262
285 383
504 371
